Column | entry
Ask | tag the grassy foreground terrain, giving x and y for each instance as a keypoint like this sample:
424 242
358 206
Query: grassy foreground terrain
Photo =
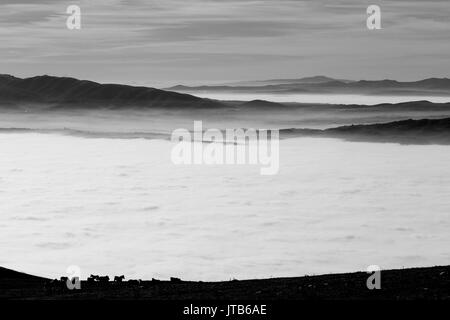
404 284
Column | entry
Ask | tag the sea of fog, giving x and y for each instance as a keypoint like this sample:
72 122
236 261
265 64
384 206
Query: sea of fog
320 98
119 206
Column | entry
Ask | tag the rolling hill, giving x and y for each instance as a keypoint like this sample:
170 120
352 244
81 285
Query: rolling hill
66 92
424 131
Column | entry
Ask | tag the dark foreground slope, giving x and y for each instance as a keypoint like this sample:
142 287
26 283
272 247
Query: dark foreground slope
424 131
12 283
416 283
66 92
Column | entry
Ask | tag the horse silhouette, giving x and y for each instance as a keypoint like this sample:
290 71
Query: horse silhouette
92 278
103 279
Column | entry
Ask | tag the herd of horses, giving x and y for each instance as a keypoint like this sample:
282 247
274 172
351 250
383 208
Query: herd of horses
64 284
105 279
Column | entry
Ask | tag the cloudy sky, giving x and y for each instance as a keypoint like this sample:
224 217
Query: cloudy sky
165 42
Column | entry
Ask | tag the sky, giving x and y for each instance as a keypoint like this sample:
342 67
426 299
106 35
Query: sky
167 42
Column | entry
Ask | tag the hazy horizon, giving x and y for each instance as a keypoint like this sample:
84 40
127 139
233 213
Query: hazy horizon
162 43
168 84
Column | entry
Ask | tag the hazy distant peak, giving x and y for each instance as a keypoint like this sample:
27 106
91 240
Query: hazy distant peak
327 85
7 78
304 80
435 82
262 104
316 79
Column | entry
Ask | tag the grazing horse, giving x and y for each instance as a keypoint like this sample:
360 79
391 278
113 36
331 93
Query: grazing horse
103 279
134 282
119 279
92 278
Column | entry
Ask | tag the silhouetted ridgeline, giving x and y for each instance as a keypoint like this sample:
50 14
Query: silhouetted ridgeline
417 283
262 104
60 92
418 105
425 131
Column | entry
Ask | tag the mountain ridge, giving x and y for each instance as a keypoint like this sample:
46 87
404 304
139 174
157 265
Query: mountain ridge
324 85
410 131
62 91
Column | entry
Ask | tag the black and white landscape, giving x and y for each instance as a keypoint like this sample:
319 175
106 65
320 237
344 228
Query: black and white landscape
87 179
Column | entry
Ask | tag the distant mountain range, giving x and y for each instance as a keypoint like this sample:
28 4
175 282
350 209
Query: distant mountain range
326 85
305 80
61 92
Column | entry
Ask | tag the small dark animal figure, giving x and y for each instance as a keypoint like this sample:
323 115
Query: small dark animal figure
103 279
134 282
175 280
119 279
92 278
